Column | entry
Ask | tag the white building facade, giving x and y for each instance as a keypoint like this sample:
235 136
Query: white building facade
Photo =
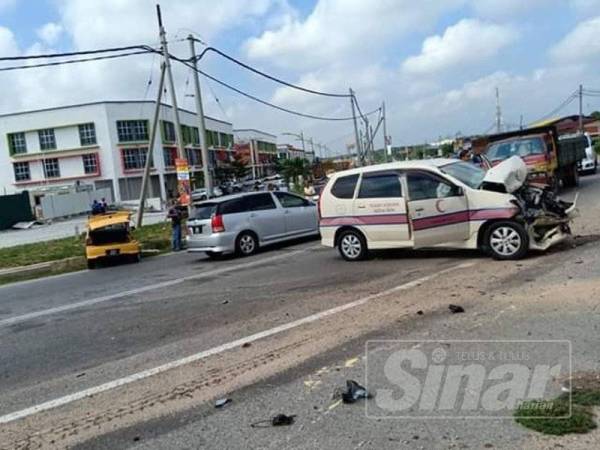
103 144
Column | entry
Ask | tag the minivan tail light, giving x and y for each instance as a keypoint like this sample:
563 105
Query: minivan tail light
216 222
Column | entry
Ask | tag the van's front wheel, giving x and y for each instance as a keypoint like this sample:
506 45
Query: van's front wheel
352 246
507 240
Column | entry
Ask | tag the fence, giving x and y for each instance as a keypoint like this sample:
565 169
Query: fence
14 208
62 205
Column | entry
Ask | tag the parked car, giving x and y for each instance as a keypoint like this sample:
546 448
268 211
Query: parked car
441 202
201 193
589 164
244 222
109 237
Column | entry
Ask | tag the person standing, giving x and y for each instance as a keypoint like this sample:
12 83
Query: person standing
175 216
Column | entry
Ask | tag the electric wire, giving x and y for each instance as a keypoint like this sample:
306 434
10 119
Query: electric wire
72 61
264 102
266 75
146 48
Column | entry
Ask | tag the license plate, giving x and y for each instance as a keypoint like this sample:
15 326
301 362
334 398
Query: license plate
112 252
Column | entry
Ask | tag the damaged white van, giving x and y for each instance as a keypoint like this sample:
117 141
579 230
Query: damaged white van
441 203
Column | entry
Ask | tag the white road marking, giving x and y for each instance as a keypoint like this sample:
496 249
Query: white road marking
70 398
93 301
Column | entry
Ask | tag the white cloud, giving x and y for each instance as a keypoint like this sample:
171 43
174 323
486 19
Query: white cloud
467 42
8 44
336 29
580 44
50 32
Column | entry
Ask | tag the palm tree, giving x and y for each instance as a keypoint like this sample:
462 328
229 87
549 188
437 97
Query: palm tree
294 168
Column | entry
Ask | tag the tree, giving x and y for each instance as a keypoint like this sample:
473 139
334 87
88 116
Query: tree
239 167
291 169
595 115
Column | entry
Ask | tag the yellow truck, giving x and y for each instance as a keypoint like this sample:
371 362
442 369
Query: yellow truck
109 237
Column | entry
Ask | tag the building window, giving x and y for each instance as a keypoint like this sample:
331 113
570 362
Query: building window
22 171
51 168
132 130
169 155
193 156
87 134
90 163
195 136
17 143
47 139
134 158
168 131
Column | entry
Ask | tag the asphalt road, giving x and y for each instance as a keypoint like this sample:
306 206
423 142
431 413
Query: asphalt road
69 333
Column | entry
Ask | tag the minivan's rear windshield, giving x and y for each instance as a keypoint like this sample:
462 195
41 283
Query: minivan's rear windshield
204 211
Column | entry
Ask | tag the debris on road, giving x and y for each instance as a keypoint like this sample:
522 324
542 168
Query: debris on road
224 302
419 313
456 309
222 402
246 344
354 392
276 421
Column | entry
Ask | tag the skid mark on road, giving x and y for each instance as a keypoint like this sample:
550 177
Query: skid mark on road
221 348
150 287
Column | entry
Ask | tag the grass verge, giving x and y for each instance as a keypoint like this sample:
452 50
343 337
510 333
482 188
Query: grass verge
552 417
156 237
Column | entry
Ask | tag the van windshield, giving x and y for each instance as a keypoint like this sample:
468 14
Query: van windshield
470 174
518 147
204 211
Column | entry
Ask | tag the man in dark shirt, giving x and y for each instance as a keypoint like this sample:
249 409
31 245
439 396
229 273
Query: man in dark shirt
175 216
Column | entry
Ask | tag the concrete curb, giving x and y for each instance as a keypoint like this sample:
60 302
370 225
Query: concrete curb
36 267
48 264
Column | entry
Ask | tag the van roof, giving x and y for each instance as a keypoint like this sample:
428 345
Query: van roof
412 164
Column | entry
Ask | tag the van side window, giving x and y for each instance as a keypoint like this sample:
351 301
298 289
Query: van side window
380 186
234 206
290 201
422 186
259 202
344 186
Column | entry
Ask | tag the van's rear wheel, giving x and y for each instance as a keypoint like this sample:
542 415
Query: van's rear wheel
91 264
246 244
352 245
506 240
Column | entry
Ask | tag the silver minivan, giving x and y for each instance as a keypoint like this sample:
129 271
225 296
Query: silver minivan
242 223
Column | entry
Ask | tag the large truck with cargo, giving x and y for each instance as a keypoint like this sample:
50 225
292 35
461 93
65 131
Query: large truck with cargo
550 158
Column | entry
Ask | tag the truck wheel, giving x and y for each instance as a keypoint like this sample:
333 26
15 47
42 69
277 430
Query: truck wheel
91 264
506 240
352 246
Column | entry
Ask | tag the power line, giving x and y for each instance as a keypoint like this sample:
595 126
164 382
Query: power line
73 61
266 75
264 102
147 49
565 103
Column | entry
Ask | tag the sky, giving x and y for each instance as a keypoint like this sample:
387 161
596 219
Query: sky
435 63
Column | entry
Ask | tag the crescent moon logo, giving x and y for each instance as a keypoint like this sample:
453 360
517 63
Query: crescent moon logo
438 207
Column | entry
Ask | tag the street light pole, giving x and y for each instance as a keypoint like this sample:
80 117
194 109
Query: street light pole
201 123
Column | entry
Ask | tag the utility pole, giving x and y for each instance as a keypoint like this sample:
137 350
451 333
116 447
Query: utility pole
150 153
521 122
252 159
385 136
208 182
581 108
357 142
498 112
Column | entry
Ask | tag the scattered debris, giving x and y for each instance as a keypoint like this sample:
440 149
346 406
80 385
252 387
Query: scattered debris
350 362
82 374
246 344
419 313
136 439
579 261
276 421
224 302
24 225
354 392
222 402
456 309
